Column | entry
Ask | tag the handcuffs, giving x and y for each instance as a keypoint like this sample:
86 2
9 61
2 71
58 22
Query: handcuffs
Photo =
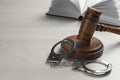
80 64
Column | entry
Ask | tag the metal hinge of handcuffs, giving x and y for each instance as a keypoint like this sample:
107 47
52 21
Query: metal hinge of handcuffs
77 64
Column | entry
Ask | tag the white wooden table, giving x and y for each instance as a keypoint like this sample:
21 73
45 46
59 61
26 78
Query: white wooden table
27 35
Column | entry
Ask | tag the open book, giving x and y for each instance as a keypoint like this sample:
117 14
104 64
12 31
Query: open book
75 9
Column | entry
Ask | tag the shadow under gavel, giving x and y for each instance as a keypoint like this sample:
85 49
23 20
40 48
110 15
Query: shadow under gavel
108 28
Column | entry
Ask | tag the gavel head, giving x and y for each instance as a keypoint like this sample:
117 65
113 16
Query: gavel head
88 47
88 26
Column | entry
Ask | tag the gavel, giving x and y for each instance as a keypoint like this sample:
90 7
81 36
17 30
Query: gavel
87 46
108 28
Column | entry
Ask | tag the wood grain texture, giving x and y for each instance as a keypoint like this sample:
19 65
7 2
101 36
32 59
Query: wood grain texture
87 46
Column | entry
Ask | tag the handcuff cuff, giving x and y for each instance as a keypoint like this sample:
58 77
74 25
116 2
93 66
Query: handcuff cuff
77 64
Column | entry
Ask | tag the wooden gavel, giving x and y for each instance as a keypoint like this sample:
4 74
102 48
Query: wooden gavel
108 28
89 47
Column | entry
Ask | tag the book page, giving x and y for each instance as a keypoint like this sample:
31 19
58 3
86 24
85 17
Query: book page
118 7
90 3
76 3
109 20
82 5
110 11
108 8
65 8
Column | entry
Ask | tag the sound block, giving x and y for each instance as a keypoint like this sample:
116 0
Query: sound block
92 51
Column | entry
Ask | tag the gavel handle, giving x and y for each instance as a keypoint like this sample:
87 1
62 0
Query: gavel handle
107 28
